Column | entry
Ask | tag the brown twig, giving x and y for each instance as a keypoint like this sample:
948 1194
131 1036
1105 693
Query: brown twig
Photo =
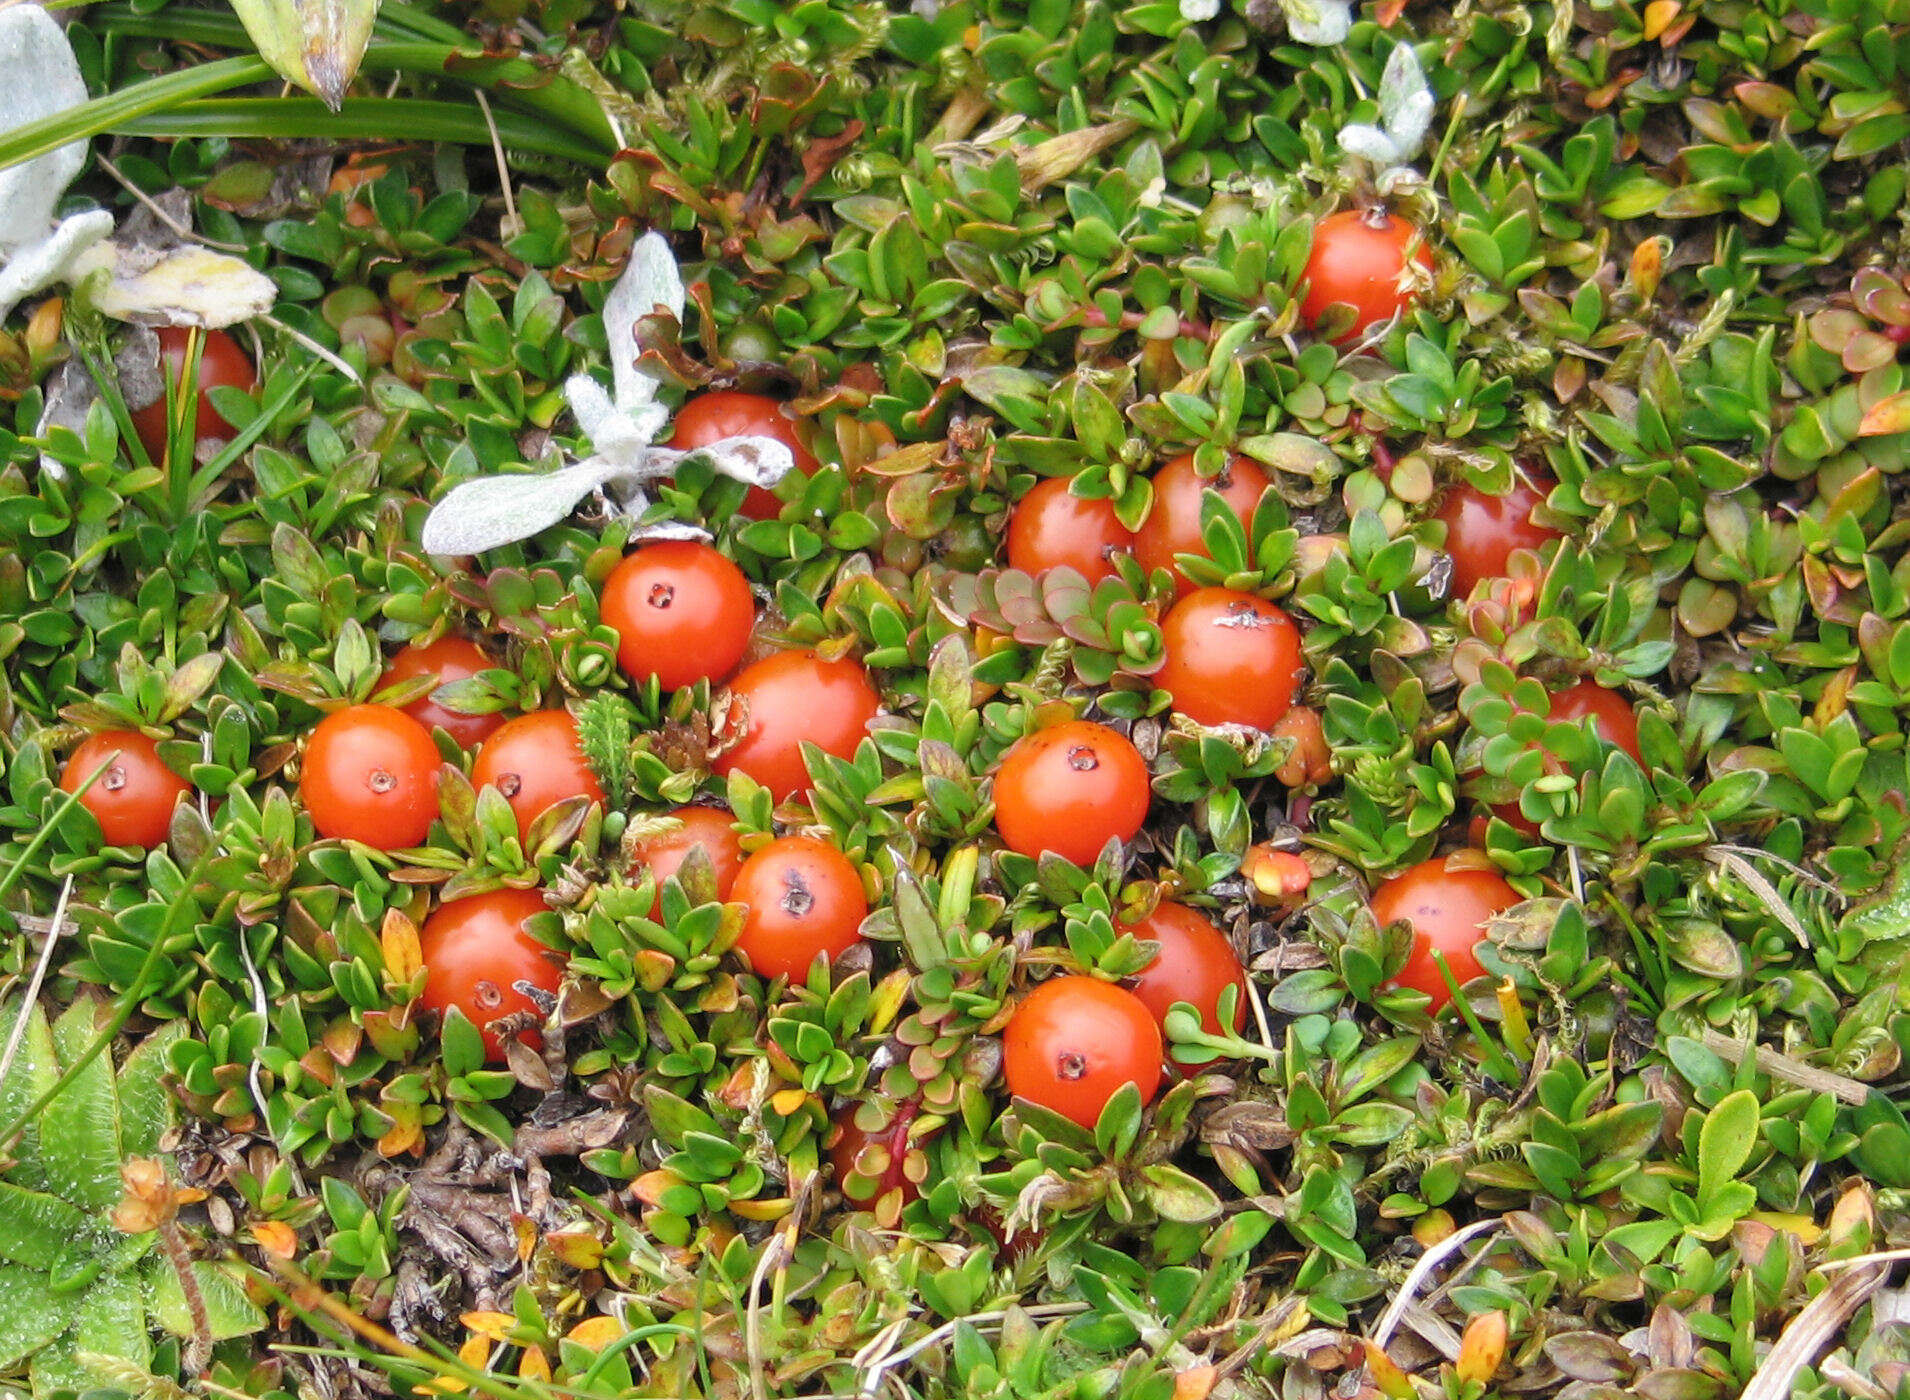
199 1350
1781 1066
1812 1329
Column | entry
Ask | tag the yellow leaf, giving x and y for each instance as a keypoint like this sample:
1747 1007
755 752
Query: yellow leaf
534 1365
595 1333
1806 1229
788 1101
399 940
578 1248
1658 16
475 1351
492 1326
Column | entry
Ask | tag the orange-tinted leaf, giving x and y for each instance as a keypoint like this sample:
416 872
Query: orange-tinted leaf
276 1238
401 1138
534 1365
649 1187
1386 1374
1887 415
1647 265
1276 875
1194 1383
1482 1347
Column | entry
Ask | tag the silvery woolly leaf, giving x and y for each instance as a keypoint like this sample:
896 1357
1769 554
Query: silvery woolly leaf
499 510
40 264
650 280
1194 11
38 78
1320 22
1359 139
611 429
1405 102
181 286
316 44
760 461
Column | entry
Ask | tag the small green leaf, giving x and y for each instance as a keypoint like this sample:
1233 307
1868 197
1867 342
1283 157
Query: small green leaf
1725 1143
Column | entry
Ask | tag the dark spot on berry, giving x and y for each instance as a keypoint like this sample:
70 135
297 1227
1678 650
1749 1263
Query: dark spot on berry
797 898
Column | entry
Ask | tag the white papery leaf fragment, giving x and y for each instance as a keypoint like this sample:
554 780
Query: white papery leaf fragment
181 286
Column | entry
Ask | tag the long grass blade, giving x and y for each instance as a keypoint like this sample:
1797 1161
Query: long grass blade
115 109
361 119
515 82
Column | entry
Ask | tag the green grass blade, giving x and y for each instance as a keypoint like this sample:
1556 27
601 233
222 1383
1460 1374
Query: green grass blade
513 82
113 111
221 29
362 119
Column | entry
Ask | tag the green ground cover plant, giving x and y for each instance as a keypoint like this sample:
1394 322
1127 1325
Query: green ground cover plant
1000 698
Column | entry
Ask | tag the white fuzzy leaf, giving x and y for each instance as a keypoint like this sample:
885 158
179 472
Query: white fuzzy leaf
1322 22
40 264
38 78
760 461
589 405
1405 102
1359 139
499 510
182 286
1193 11
650 280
